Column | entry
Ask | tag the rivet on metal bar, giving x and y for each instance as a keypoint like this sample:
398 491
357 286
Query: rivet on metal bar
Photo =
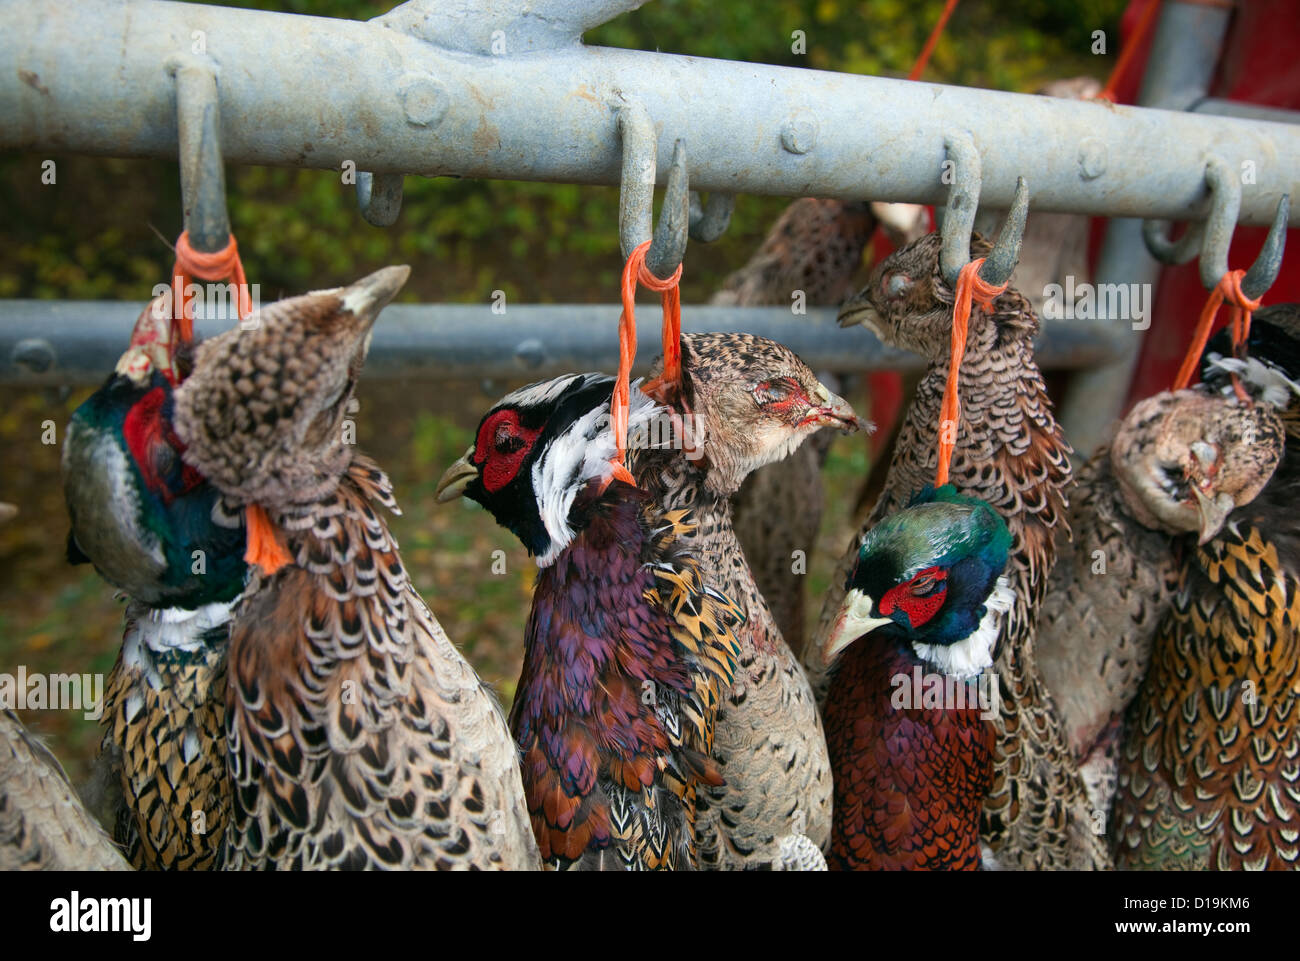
203 178
959 217
380 197
710 220
636 195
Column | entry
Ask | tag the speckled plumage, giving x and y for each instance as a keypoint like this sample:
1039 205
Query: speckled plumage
153 528
1116 580
359 737
1209 774
816 247
43 824
769 745
1009 453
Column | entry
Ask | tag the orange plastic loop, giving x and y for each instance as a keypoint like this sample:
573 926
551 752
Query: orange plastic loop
1242 307
634 272
971 288
222 265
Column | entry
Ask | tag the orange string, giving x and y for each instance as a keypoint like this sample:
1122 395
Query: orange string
634 272
264 548
970 287
1129 51
222 265
918 68
1228 288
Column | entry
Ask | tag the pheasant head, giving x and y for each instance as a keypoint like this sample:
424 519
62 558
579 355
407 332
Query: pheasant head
536 450
1185 460
746 401
931 575
908 304
262 413
139 513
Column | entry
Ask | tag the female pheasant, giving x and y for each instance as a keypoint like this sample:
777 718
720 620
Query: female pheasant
1178 464
358 736
910 743
1208 774
815 247
744 402
43 824
1010 454
157 531
627 651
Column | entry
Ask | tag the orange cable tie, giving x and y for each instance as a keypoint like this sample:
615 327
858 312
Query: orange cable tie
1228 288
225 264
970 287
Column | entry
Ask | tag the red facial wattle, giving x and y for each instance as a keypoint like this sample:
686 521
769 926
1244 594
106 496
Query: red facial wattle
500 448
149 438
920 597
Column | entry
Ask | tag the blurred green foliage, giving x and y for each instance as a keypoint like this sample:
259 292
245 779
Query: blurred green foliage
103 229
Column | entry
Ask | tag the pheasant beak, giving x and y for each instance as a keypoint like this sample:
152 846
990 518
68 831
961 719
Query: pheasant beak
456 479
1214 512
854 620
859 310
151 346
834 411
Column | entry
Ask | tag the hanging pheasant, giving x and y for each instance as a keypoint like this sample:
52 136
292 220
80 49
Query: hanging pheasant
1208 774
359 737
812 251
627 652
1008 453
43 824
155 530
744 402
1178 464
910 743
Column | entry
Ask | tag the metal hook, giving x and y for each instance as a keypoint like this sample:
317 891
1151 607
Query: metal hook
710 220
1264 270
636 195
203 177
1168 251
959 217
1225 191
380 198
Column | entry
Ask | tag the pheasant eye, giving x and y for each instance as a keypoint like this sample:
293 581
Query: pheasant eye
920 597
895 285
777 392
502 444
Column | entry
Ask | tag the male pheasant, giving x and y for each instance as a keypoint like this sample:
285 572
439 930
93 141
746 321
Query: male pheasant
628 652
157 531
1010 454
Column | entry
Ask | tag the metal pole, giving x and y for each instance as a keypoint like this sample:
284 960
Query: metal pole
538 105
80 341
1184 53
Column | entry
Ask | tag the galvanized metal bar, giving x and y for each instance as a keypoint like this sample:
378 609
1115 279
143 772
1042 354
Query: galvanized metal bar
86 78
1184 54
62 342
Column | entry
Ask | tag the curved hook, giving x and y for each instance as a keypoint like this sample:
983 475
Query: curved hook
1002 259
380 197
710 220
203 177
1225 206
636 195
1168 251
1264 270
959 211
